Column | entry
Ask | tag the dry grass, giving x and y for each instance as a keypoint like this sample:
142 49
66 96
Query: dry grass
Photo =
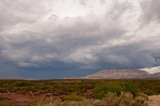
111 99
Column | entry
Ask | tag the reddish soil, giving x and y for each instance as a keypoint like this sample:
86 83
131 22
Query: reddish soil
19 99
22 99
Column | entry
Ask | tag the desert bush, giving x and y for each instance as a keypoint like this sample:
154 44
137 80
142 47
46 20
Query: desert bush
149 92
22 83
101 89
124 99
72 97
127 87
139 102
110 99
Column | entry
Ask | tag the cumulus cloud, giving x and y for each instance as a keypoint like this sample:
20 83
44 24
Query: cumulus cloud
80 34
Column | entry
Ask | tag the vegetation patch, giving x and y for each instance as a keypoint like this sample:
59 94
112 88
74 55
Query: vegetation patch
73 97
113 86
22 83
80 92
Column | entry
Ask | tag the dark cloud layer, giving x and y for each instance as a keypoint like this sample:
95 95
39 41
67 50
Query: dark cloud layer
62 38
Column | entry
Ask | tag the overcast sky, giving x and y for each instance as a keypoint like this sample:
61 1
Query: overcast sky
61 38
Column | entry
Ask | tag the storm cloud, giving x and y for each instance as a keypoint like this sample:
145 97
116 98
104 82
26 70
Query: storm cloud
70 36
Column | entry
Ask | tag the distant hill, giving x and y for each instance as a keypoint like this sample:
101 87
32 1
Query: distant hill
122 74
155 76
118 74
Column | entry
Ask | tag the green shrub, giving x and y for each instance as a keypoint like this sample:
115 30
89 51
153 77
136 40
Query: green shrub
72 97
22 83
149 92
101 89
130 88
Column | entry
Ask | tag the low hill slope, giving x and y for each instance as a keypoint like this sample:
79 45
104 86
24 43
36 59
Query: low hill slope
119 74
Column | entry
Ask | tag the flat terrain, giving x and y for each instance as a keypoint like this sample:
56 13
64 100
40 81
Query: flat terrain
154 100
79 92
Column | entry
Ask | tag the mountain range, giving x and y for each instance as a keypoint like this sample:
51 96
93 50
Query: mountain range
145 73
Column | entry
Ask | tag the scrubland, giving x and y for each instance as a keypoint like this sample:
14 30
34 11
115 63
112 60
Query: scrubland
77 92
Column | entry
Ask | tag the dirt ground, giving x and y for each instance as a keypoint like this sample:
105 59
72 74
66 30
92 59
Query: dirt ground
19 99
154 100
22 100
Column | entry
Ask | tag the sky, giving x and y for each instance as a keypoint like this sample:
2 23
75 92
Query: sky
48 39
